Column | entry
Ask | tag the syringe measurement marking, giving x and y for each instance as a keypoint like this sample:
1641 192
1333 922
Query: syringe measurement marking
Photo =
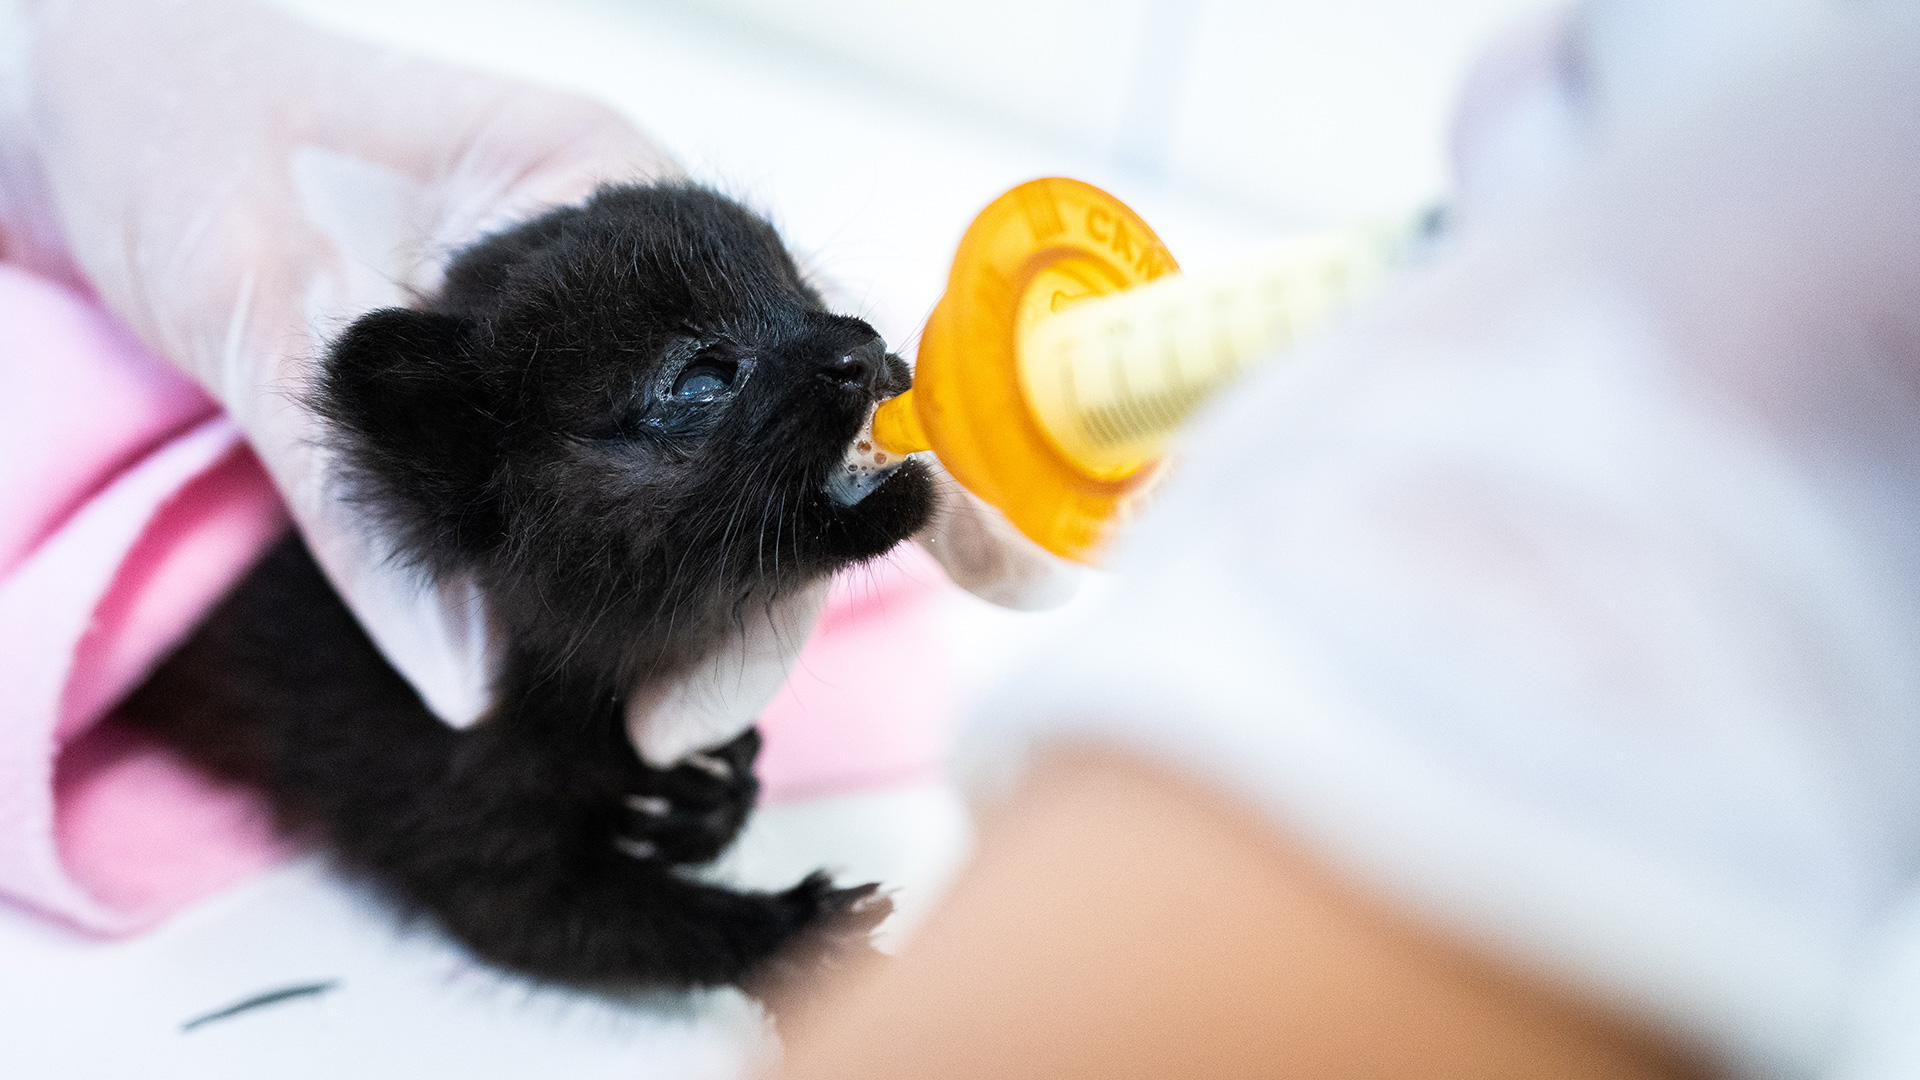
1116 332
1168 326
1127 416
1244 324
1070 395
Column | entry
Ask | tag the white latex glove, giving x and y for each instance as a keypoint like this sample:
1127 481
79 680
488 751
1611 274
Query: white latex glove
987 556
238 187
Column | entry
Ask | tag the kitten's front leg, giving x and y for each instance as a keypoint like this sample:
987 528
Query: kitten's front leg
553 857
506 834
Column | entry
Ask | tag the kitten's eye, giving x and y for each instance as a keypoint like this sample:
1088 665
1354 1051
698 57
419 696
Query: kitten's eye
704 378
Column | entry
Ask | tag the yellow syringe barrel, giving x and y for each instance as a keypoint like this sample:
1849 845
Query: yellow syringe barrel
1066 351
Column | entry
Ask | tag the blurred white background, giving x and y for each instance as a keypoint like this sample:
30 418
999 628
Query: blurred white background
1304 110
871 132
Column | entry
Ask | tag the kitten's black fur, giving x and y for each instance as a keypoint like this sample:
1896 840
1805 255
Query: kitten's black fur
619 419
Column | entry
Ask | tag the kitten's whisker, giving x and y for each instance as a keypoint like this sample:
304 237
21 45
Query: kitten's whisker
726 535
761 542
779 523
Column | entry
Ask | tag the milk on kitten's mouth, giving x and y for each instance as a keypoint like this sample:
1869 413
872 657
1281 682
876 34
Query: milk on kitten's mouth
863 468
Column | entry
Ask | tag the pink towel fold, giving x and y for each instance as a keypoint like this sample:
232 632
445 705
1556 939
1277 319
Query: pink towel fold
129 505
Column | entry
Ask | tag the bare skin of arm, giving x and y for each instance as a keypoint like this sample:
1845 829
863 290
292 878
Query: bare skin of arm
1119 921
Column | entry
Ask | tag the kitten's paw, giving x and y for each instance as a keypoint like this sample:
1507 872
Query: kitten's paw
821 907
690 812
835 934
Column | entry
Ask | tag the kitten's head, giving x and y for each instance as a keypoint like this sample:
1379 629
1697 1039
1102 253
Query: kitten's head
630 410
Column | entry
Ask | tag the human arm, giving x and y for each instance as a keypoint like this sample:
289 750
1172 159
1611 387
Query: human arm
1119 920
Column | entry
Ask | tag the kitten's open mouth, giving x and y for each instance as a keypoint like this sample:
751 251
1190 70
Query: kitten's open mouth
863 469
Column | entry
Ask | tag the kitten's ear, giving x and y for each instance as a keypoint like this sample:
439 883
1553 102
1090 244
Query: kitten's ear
387 377
403 397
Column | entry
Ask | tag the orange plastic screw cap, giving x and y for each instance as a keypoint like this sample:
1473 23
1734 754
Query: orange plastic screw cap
1032 252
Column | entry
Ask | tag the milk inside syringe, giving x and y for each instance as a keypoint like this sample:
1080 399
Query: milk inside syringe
1110 378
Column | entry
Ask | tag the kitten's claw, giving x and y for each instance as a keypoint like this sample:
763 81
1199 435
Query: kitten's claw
837 931
689 812
636 849
650 805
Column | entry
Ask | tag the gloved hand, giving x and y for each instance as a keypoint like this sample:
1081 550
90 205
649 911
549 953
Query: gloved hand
237 187
987 556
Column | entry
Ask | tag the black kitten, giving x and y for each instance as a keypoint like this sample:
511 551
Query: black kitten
622 420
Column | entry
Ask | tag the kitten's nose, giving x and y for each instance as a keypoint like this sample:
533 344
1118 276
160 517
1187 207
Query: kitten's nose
861 367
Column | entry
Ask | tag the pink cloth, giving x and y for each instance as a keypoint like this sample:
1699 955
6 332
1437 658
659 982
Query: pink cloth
871 702
131 505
